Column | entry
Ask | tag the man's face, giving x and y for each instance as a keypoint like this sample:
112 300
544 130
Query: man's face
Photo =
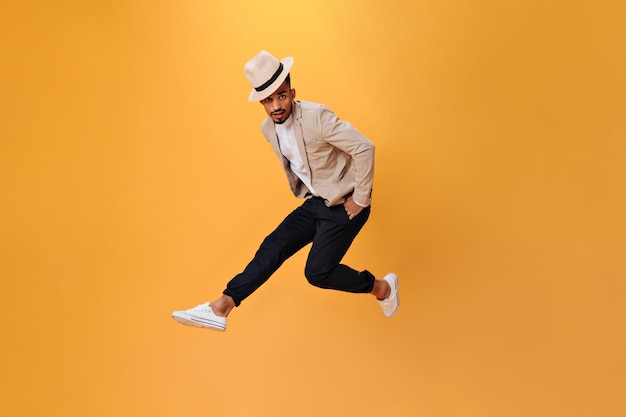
278 105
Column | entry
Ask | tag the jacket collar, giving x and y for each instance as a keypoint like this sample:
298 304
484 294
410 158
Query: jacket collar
296 110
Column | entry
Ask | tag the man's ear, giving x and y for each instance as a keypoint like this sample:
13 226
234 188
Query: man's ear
293 93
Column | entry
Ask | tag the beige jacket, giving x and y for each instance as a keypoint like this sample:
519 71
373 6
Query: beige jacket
339 159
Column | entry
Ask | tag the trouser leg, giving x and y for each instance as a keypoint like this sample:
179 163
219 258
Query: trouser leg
334 234
294 232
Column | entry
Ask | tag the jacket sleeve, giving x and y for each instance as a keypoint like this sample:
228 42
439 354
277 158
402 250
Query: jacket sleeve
342 135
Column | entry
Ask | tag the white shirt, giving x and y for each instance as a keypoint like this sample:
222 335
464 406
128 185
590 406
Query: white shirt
289 148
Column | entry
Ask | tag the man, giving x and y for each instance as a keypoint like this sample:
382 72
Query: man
330 164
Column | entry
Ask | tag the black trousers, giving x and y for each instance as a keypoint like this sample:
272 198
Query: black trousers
331 232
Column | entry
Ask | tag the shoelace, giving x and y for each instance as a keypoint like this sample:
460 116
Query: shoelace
201 308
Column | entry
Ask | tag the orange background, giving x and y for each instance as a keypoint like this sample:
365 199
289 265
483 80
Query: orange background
134 181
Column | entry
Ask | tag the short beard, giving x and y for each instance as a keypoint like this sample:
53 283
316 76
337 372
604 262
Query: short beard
280 122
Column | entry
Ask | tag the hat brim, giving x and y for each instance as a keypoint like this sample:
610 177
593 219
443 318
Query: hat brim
260 95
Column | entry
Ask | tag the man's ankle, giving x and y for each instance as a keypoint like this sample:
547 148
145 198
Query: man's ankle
223 306
381 290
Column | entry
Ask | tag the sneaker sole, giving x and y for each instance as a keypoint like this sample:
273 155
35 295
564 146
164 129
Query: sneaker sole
191 321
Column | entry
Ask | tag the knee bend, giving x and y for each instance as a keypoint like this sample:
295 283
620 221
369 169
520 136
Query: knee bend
316 277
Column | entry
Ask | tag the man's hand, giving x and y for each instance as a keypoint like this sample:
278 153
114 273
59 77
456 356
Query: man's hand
351 207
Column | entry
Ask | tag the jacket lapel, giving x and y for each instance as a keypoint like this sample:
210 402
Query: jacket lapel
272 137
297 127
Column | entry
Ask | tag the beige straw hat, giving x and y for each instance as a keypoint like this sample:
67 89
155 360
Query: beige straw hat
266 74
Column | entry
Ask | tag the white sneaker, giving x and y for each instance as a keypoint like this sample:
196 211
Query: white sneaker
200 316
390 304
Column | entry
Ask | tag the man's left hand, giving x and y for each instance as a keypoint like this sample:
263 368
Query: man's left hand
351 207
